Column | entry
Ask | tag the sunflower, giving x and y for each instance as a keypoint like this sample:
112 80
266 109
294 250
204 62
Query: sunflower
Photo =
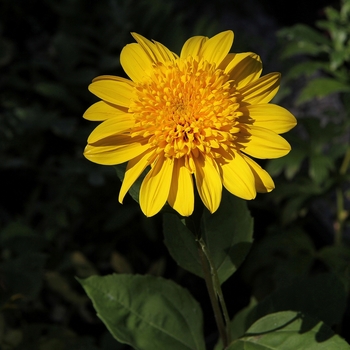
191 119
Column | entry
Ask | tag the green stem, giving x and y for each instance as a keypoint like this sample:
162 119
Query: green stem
341 213
217 290
213 297
345 164
338 227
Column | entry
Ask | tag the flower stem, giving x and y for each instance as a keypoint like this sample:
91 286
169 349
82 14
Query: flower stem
345 164
341 212
215 292
338 226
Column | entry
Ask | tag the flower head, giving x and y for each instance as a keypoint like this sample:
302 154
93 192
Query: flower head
193 118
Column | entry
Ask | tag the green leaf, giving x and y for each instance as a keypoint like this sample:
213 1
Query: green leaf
319 168
302 47
290 164
147 312
307 69
181 244
303 32
321 87
289 330
228 234
302 39
345 10
338 58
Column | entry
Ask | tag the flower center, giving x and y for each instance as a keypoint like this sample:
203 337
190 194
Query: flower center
187 107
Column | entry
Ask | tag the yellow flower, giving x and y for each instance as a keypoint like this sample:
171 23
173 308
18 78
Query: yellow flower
191 118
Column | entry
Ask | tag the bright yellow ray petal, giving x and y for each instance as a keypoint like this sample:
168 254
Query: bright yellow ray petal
237 176
261 90
226 61
263 181
155 187
133 170
115 149
135 62
208 182
102 110
113 91
147 46
216 48
272 117
181 195
115 78
155 51
165 52
193 46
265 144
244 68
111 127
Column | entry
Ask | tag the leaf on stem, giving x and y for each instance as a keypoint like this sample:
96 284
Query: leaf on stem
147 312
228 234
181 244
289 330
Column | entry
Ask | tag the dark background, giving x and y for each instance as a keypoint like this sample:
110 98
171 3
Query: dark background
58 211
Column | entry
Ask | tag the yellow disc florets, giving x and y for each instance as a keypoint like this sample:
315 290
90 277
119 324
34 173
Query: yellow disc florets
186 107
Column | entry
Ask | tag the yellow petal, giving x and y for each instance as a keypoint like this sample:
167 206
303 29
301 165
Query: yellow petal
113 77
111 127
265 144
166 54
147 46
272 117
155 187
102 110
208 182
193 46
261 90
118 92
115 149
133 170
237 176
244 68
135 62
263 181
181 195
155 51
216 48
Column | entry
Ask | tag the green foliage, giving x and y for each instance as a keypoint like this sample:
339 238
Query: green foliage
181 243
326 70
147 312
288 330
231 222
317 165
322 87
